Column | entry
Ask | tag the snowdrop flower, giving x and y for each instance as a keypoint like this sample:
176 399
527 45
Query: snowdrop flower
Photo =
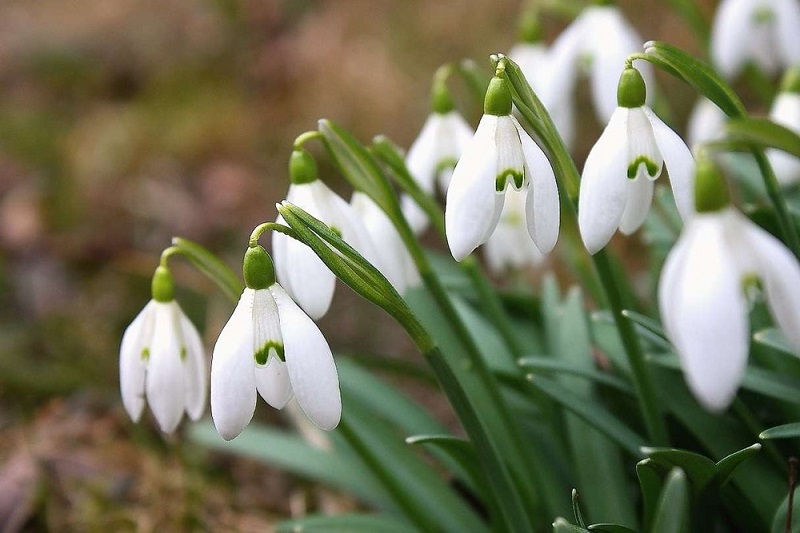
599 41
617 180
760 31
509 247
162 360
786 112
500 153
300 271
706 122
434 152
703 287
270 347
398 266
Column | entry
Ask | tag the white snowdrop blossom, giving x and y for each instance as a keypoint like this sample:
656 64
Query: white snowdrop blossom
431 159
703 303
271 348
162 360
304 276
501 152
510 247
617 180
785 111
398 267
706 122
597 42
763 32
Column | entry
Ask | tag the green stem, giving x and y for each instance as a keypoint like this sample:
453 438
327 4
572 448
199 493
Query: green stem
643 382
788 228
492 306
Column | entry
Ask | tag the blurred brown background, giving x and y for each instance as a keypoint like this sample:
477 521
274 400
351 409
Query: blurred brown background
123 123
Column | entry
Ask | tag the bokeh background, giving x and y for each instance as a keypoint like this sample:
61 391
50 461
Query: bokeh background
123 123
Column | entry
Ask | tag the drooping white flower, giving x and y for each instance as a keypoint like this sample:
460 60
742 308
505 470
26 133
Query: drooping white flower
510 247
617 180
703 302
598 41
501 152
304 276
760 31
162 360
398 267
431 159
706 122
786 112
271 348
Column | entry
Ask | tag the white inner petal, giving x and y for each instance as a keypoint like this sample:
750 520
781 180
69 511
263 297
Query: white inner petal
267 340
510 157
644 157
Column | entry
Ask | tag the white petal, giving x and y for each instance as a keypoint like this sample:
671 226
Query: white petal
309 361
510 157
422 158
728 44
165 382
786 112
707 312
195 369
414 214
233 387
604 184
132 364
473 205
679 162
644 157
706 122
640 197
542 205
787 22
510 245
780 274
272 382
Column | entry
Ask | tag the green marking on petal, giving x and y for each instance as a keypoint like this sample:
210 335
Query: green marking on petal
448 163
650 165
270 347
763 15
502 179
183 353
145 355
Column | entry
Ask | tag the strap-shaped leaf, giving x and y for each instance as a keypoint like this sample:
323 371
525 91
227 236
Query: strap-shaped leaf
672 515
761 132
461 454
728 465
699 469
346 523
785 431
650 487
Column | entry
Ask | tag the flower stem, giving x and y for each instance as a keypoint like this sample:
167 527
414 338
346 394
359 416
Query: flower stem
788 228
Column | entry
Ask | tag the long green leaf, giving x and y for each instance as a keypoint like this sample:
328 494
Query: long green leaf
650 487
548 364
672 515
786 431
291 453
463 461
346 523
728 465
699 469
761 132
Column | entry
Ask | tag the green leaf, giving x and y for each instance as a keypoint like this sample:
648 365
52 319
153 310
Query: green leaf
611 528
761 132
463 461
672 515
359 167
699 469
650 487
548 364
728 465
291 453
786 431
210 265
773 338
346 523
779 520
562 526
417 489
696 73
590 411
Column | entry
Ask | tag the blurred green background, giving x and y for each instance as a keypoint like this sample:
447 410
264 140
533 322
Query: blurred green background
123 123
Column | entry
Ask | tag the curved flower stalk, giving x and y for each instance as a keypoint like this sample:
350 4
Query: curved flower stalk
299 270
763 32
398 266
509 247
703 286
271 348
785 111
162 360
500 153
598 42
706 122
435 151
617 180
